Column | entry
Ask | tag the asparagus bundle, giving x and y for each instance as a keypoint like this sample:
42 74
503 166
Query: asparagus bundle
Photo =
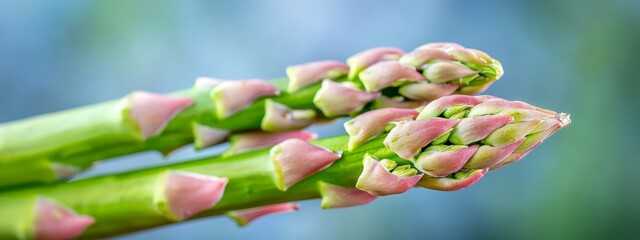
57 145
450 144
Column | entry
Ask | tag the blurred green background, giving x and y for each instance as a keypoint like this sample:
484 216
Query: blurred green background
573 56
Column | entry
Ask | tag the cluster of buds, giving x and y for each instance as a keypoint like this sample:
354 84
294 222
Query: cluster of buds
412 79
391 78
454 140
422 75
451 143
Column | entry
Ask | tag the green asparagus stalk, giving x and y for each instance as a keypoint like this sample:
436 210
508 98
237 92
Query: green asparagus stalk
450 144
55 146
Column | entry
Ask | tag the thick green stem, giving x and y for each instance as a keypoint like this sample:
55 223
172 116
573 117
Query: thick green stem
97 135
113 200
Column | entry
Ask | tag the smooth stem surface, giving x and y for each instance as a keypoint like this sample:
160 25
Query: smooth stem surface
97 133
126 202
178 132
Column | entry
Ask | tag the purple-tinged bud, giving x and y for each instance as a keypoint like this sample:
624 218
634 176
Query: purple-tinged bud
443 160
207 82
295 159
474 129
246 216
188 194
371 124
153 111
487 156
466 55
437 107
419 57
385 74
454 182
334 196
364 59
377 180
205 136
337 99
440 45
306 74
244 142
396 102
442 72
232 96
54 221
427 91
279 117
407 138
510 133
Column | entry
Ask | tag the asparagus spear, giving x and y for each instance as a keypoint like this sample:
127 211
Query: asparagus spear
447 146
58 144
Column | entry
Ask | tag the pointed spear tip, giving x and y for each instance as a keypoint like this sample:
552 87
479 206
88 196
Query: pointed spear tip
564 118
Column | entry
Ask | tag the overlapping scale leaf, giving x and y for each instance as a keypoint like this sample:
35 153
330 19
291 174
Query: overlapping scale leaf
456 135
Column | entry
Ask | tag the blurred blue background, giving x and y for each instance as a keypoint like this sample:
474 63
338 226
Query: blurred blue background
571 56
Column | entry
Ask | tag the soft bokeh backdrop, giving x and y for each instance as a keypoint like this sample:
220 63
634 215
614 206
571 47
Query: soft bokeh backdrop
574 56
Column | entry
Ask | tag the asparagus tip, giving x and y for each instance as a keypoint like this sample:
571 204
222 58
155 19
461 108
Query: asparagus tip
564 118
